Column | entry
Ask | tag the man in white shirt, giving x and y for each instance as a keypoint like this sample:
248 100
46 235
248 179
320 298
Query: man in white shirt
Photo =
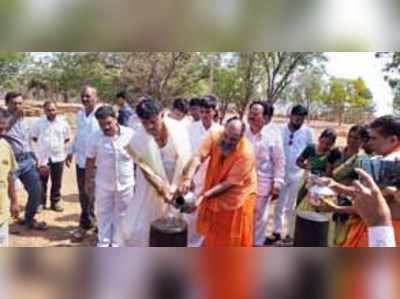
180 110
270 162
87 124
296 137
114 175
194 108
198 131
52 134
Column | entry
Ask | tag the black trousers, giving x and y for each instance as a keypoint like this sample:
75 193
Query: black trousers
56 175
87 220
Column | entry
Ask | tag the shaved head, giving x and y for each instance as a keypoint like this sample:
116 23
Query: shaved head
233 134
235 126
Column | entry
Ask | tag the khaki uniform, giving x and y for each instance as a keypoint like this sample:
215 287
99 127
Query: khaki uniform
7 164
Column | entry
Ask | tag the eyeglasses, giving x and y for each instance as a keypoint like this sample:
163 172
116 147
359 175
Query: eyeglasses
291 139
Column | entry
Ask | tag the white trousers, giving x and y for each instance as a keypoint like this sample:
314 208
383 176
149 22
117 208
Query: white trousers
110 208
194 239
285 211
4 234
261 213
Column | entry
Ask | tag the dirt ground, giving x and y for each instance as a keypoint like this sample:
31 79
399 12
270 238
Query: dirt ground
61 224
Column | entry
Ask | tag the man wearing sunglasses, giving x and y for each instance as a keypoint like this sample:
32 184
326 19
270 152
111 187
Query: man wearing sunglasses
296 137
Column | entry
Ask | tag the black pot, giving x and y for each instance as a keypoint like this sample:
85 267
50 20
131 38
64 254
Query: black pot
169 232
312 230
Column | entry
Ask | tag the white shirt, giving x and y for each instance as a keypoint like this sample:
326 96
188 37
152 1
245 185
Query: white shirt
134 121
86 126
169 156
270 157
51 137
294 144
115 170
381 236
197 134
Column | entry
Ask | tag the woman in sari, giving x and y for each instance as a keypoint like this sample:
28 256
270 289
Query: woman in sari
314 160
342 168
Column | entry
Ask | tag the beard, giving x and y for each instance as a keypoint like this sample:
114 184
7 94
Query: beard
297 126
226 148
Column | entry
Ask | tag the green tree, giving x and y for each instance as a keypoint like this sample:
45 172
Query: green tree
165 75
11 65
349 100
391 71
227 87
309 88
281 68
396 104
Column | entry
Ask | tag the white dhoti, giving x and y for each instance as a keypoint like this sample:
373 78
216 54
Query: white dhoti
110 208
147 205
195 239
261 213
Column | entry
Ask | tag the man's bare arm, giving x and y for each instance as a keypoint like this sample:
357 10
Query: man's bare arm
89 172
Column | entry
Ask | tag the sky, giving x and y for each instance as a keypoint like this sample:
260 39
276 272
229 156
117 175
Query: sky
352 65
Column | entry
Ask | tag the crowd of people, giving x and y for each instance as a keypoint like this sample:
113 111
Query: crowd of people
132 163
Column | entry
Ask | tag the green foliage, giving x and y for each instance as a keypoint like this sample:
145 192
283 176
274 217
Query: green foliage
11 64
392 75
396 104
338 99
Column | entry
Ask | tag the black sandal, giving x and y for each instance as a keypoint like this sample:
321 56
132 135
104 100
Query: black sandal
35 225
273 239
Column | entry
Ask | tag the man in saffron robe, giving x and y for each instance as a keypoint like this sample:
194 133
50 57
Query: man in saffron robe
226 205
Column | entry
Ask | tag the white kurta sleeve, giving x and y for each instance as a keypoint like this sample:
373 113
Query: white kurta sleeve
381 236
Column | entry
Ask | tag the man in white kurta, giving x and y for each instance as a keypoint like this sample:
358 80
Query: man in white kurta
198 131
270 162
296 137
114 179
162 145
